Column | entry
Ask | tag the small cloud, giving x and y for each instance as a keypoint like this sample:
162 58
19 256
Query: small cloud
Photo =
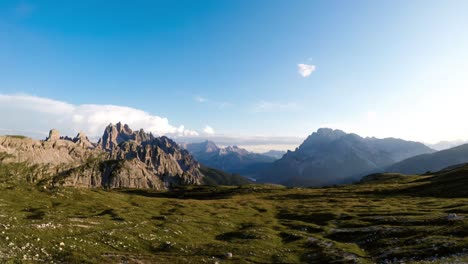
182 132
219 104
208 130
200 99
266 106
305 70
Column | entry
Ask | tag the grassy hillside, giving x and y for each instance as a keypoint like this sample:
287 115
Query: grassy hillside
432 162
383 219
217 177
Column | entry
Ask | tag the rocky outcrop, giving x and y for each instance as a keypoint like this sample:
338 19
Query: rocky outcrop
82 140
122 158
53 135
53 151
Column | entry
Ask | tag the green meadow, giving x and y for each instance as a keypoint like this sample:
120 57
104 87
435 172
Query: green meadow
386 219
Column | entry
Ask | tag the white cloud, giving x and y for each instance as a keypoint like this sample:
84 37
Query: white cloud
267 106
305 70
200 99
219 104
31 113
208 130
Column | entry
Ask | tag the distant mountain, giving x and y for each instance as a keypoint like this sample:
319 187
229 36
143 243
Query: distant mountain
442 145
231 159
277 154
432 162
333 156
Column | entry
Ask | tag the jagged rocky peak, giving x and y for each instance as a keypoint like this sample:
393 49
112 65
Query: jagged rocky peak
210 146
233 149
116 134
54 135
82 140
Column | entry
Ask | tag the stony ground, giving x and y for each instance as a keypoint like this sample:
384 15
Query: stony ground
377 222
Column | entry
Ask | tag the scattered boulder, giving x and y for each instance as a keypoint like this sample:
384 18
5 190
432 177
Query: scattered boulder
454 217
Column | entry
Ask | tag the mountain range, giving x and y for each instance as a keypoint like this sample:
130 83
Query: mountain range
122 158
443 145
231 159
333 156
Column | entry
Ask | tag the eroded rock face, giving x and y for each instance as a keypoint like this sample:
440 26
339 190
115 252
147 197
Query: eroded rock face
111 174
122 158
160 155
116 134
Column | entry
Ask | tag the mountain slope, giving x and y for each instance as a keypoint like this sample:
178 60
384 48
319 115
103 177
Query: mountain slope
432 162
332 156
218 177
231 159
447 183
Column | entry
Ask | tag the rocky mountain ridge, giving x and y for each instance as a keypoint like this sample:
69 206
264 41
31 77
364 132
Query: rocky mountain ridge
122 158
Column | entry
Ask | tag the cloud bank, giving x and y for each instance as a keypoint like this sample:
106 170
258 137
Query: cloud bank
32 116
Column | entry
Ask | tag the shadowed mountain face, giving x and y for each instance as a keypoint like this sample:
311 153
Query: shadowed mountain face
432 162
332 156
232 158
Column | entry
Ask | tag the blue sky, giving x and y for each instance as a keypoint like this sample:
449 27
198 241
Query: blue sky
382 68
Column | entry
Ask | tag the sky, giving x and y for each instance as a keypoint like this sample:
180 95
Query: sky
260 74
